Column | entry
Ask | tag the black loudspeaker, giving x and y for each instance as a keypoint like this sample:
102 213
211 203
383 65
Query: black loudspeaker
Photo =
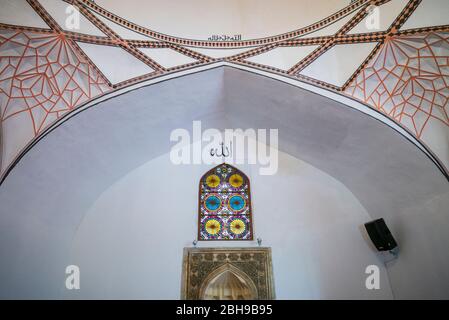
380 235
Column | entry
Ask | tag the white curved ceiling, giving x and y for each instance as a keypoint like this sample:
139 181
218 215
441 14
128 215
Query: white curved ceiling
398 69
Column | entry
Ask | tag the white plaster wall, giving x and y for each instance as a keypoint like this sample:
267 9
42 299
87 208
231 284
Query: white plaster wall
422 269
130 243
250 18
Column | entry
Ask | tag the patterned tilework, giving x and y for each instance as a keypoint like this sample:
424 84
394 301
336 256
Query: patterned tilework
43 76
181 41
408 80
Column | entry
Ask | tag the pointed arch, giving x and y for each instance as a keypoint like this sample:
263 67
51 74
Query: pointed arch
245 287
224 205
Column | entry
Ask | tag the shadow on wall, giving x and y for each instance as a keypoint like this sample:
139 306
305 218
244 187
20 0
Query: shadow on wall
96 189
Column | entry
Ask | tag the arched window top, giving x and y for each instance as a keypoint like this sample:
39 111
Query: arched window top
224 205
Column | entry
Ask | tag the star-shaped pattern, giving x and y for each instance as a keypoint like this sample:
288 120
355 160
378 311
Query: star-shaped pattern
408 80
42 75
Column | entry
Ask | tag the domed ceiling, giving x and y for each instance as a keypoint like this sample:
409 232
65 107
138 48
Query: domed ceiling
50 66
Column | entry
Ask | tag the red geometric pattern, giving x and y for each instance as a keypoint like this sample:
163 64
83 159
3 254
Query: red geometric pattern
43 76
408 80
207 43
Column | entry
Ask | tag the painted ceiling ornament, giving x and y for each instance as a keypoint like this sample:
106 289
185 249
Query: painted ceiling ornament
224 205
47 74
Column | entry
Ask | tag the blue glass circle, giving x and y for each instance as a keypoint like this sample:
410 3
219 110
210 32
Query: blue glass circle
213 203
236 203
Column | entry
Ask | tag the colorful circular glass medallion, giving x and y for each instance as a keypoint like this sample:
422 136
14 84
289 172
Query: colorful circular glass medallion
212 226
237 203
212 181
237 226
212 203
235 180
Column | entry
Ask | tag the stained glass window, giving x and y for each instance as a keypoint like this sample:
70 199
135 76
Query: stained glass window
224 205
